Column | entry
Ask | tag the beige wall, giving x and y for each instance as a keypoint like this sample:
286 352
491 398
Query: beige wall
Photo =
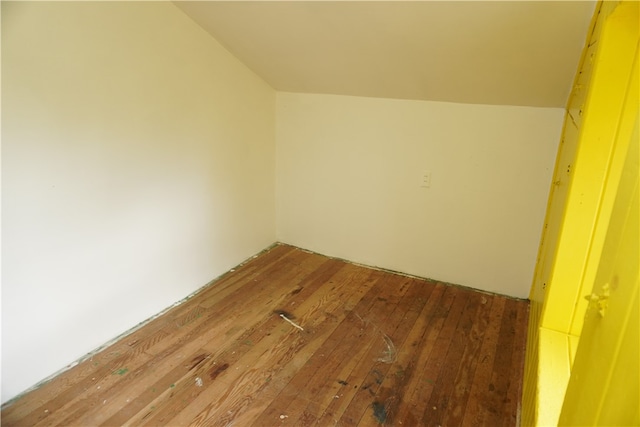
138 164
348 185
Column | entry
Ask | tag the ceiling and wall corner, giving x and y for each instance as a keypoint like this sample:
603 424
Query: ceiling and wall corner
348 168
522 53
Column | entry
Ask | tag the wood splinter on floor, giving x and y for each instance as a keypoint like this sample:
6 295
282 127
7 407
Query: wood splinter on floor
286 316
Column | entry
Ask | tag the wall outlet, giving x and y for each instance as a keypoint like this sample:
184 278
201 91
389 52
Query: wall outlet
426 180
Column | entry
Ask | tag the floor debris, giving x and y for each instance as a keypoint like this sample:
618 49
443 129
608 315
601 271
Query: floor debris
291 322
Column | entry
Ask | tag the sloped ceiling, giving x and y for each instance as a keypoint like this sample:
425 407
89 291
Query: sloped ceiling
482 52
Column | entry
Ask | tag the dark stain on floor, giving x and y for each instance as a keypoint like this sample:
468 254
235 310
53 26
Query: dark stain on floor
379 412
213 374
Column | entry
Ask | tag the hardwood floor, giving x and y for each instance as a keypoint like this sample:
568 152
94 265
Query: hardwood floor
375 348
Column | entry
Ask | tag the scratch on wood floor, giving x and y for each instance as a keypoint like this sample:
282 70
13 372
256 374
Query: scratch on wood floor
390 353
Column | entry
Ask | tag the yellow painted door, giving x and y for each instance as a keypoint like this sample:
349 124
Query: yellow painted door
605 379
582 354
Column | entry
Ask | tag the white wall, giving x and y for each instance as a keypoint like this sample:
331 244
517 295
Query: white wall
348 185
138 164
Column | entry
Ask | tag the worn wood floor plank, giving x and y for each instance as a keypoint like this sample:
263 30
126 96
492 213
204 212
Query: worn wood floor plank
432 352
314 325
500 378
326 383
441 403
369 376
317 327
484 364
511 410
366 348
466 371
412 358
252 332
385 402
287 403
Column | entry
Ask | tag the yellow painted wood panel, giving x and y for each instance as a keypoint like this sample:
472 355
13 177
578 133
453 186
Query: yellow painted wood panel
580 89
553 224
623 135
554 356
589 164
579 239
578 96
555 210
604 385
623 406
